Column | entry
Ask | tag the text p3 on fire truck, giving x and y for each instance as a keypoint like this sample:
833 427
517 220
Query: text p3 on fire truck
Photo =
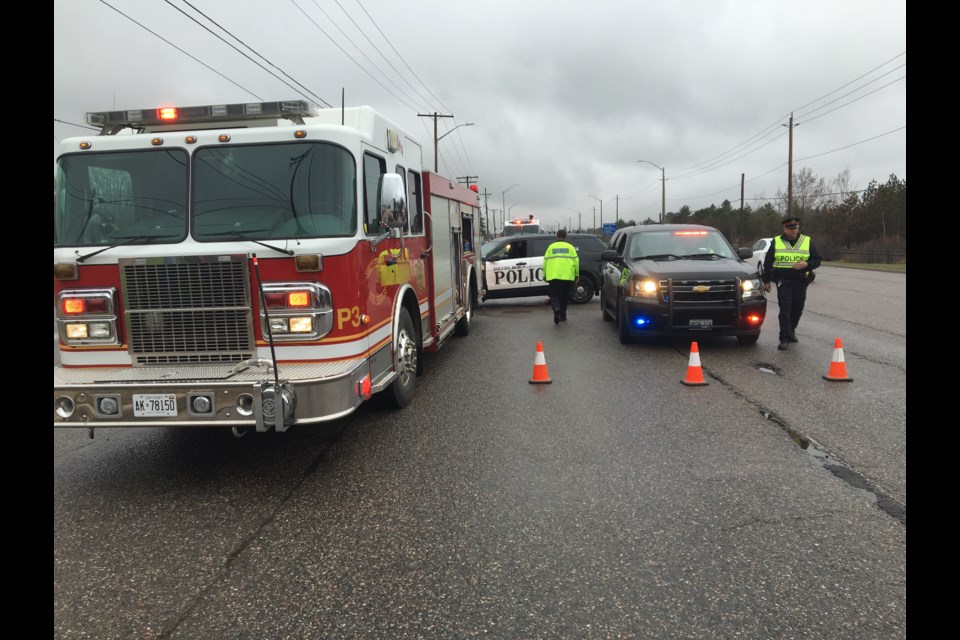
251 265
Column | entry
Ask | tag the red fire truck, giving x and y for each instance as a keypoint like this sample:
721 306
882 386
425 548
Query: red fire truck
249 265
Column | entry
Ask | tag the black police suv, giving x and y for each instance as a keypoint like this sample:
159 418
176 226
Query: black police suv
680 279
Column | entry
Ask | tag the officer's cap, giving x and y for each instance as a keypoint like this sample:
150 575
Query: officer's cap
791 220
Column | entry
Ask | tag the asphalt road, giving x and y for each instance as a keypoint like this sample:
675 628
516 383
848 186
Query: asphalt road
613 503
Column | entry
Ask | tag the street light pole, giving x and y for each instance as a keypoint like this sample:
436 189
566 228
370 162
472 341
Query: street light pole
663 192
503 212
579 220
436 143
601 213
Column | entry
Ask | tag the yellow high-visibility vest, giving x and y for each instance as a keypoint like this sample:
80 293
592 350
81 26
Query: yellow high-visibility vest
784 256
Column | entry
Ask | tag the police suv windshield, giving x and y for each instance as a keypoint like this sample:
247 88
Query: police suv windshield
690 245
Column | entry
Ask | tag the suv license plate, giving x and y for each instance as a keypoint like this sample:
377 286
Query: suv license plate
154 405
701 324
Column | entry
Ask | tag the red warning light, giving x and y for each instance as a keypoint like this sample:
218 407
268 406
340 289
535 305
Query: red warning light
167 113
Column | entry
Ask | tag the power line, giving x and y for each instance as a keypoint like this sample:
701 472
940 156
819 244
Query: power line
181 50
377 49
343 33
336 44
847 103
72 124
387 40
219 26
774 126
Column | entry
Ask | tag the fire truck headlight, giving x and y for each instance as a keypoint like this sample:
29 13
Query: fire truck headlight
279 325
301 324
76 331
99 329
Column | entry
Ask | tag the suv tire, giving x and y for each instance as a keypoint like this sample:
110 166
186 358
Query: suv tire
582 291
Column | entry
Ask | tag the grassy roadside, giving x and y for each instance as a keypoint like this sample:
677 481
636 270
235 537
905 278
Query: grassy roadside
894 268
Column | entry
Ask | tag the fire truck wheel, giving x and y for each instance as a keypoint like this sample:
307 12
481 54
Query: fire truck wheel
400 392
463 324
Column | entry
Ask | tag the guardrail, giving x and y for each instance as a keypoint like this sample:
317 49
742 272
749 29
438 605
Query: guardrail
872 257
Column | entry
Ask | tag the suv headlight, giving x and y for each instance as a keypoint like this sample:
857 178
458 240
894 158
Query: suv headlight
642 288
752 288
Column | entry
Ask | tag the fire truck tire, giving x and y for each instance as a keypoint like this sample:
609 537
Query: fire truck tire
400 392
463 324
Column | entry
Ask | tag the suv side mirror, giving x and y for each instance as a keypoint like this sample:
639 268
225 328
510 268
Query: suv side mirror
612 256
745 253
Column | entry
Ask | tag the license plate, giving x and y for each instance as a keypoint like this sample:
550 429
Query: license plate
154 405
701 324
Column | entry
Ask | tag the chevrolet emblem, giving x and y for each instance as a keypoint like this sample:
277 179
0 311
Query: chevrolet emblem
701 288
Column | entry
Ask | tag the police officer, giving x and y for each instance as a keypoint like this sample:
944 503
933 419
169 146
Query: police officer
561 269
790 263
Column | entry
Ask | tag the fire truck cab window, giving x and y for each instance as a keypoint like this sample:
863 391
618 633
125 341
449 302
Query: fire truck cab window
273 191
373 168
110 197
414 210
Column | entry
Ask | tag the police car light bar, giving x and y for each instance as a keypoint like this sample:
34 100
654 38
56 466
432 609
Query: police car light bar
137 118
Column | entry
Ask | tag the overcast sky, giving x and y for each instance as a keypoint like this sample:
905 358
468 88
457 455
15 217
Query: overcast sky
564 95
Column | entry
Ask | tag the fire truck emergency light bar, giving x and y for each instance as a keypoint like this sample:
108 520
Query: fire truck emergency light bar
136 118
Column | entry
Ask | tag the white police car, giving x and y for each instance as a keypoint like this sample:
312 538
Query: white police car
513 266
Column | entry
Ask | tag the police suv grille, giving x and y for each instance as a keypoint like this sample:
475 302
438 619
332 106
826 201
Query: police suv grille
694 292
187 310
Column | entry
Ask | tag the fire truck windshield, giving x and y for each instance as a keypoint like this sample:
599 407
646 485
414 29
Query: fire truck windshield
257 192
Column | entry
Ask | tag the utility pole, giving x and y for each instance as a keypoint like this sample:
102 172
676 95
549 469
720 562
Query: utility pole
486 213
741 207
663 189
601 213
790 170
436 140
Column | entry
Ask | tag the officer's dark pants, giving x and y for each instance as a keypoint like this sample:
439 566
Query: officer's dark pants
791 296
559 294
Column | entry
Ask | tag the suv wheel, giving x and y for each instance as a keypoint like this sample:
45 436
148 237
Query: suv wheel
582 291
748 339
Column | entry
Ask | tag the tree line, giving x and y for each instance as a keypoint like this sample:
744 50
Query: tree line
870 224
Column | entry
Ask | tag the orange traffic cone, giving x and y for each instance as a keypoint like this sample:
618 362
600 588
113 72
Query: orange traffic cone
694 371
838 367
540 375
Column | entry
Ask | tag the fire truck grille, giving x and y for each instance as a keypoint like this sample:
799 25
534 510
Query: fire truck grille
187 310
694 292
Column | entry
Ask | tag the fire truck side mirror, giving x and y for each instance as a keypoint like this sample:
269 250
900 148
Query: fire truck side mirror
393 201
